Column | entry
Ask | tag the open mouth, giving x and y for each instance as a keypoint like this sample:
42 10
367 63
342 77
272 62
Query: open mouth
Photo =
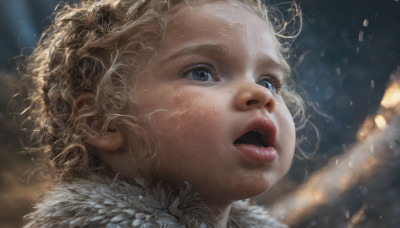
251 138
257 141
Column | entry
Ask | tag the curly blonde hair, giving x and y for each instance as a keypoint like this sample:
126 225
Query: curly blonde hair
94 47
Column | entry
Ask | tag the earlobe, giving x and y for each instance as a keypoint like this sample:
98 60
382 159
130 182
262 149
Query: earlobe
112 140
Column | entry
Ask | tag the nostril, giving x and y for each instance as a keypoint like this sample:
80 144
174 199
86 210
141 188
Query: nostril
251 102
270 105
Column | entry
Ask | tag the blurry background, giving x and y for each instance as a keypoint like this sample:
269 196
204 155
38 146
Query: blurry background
345 58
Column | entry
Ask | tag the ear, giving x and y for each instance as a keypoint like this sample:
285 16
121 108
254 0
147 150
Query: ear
112 140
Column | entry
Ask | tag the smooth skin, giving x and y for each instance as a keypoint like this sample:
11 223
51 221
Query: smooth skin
216 72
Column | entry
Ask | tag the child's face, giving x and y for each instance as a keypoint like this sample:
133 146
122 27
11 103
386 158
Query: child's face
203 90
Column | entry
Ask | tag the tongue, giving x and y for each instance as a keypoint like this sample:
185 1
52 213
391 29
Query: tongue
253 138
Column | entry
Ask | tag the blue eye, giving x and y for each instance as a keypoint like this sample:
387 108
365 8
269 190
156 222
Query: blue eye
271 84
200 73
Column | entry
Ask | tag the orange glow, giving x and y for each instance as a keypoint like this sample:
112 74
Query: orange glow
319 196
370 163
365 128
392 96
380 122
356 163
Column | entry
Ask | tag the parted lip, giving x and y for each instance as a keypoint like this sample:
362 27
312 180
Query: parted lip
265 127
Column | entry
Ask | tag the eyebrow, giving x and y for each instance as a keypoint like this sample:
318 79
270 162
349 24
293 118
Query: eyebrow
220 49
276 66
197 49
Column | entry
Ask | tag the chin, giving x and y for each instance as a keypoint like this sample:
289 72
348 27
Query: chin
255 191
247 190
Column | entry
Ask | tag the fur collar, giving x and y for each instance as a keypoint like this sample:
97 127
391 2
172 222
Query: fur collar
101 202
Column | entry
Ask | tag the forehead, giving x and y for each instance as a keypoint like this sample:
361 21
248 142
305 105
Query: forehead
228 22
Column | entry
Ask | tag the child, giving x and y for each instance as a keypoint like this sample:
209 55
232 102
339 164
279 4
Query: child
161 113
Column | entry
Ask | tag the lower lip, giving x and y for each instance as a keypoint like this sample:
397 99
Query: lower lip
258 153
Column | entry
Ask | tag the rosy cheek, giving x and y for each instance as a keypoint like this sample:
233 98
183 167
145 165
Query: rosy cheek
286 128
285 118
189 115
179 99
189 119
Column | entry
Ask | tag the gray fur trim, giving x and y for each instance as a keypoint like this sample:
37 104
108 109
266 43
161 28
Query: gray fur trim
101 202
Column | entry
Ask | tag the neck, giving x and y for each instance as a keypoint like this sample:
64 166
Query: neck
224 219
223 210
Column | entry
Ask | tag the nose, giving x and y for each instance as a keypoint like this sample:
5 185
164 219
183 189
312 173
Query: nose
253 96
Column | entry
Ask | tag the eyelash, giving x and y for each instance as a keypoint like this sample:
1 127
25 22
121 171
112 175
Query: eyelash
274 81
205 67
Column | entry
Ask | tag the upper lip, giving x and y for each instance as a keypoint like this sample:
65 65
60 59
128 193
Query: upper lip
265 127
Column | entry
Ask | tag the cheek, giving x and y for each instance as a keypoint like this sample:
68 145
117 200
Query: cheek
188 118
191 132
193 112
289 127
287 135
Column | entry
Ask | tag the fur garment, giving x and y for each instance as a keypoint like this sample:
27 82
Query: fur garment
102 202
